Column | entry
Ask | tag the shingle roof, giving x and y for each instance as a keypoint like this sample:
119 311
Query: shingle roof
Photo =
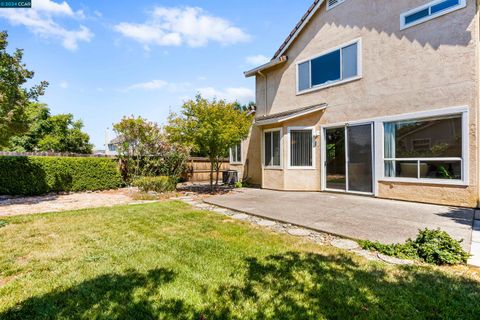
287 115
297 27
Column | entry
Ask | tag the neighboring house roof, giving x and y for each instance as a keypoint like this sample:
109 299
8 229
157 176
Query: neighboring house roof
277 57
288 115
117 140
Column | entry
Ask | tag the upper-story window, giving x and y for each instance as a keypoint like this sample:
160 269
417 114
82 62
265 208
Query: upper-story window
430 11
335 66
333 3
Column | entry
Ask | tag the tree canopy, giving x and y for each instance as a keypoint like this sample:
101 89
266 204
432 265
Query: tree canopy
210 127
14 97
59 133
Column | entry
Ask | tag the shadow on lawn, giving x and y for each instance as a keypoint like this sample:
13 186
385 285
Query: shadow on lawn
285 286
110 296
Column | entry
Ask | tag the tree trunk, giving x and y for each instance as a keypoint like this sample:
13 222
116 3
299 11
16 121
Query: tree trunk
212 163
217 171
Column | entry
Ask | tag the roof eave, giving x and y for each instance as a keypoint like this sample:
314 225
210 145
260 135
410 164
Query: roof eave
261 122
293 35
268 65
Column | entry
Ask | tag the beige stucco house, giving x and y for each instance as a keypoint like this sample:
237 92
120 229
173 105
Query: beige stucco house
376 98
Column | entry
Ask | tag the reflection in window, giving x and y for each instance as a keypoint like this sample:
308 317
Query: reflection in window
272 148
236 153
335 66
424 148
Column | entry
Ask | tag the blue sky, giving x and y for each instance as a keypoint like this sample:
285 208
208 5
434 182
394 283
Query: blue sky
106 59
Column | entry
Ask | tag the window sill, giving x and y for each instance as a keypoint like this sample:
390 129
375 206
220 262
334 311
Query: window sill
236 163
333 84
301 168
273 168
426 181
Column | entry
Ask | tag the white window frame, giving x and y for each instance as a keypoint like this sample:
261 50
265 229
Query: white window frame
403 25
329 6
463 111
359 75
232 161
281 148
289 149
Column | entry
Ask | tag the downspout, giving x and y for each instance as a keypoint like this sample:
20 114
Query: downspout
264 76
264 113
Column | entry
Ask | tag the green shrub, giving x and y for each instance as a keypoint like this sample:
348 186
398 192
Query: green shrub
40 175
157 184
3 223
431 246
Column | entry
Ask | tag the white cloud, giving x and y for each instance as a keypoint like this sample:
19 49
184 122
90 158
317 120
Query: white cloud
257 60
40 21
187 25
240 94
158 85
64 84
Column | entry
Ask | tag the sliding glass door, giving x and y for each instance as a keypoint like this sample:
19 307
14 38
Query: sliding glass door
349 158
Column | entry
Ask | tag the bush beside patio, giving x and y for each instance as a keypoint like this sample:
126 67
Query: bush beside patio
40 175
168 261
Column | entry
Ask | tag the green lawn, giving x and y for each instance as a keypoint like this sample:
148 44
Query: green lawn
167 261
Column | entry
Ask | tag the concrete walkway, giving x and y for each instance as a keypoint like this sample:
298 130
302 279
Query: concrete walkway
351 216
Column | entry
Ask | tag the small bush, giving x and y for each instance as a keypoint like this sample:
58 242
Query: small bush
40 175
157 184
431 246
3 223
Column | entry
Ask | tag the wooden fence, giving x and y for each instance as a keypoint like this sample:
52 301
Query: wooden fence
199 169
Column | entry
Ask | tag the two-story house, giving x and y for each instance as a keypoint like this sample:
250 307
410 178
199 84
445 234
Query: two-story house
376 98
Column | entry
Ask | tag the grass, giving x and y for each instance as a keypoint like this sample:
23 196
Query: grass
168 261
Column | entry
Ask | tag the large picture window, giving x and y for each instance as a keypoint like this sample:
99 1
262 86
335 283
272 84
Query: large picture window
429 148
272 148
301 148
336 66
236 153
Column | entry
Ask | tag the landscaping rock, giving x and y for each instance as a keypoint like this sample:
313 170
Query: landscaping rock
266 223
299 232
393 260
344 244
221 211
203 206
369 255
240 216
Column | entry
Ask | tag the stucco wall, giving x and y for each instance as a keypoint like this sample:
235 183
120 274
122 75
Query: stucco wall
425 67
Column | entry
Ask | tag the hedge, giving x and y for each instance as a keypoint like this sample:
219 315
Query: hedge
40 175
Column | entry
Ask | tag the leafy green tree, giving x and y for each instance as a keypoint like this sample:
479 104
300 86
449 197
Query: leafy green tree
14 97
211 128
59 133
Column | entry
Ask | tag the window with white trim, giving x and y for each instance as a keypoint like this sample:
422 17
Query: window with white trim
428 148
333 3
236 153
272 148
430 11
301 148
335 66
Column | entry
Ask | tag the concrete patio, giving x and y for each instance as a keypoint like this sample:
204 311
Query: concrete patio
351 216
